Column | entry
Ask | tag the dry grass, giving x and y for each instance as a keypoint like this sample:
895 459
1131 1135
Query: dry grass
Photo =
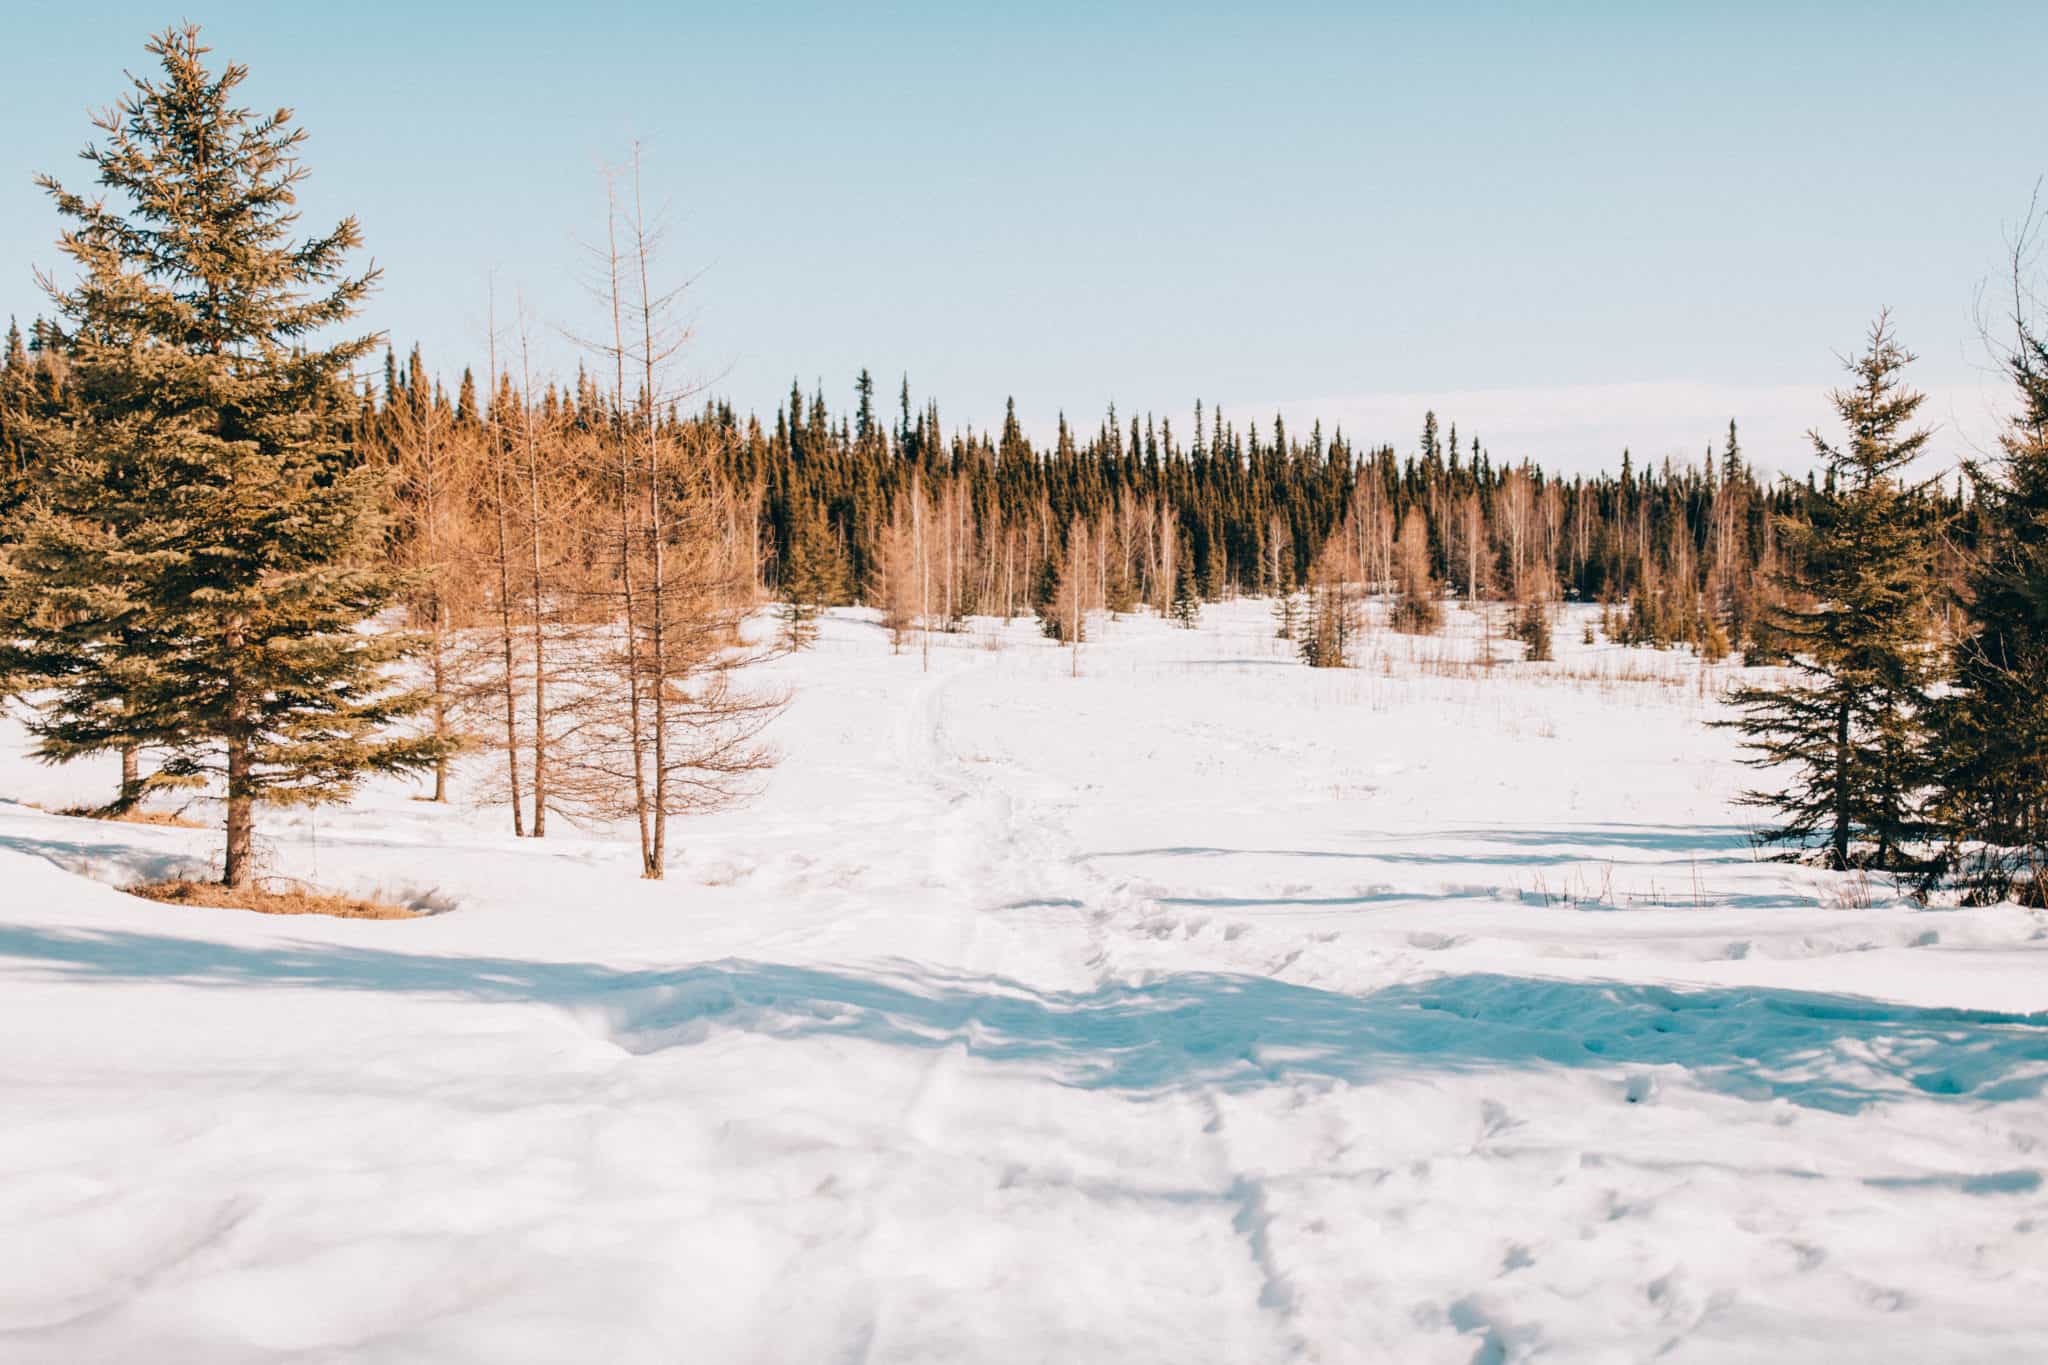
133 817
291 899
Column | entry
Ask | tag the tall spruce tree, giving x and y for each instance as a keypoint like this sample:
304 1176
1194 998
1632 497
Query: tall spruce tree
1993 723
1850 724
805 580
193 570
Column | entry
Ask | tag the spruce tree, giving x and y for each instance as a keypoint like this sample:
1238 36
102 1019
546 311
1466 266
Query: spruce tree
1286 614
1993 723
195 567
1187 603
1531 626
1850 723
16 402
803 581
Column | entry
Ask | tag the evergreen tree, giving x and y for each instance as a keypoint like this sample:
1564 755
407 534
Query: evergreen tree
864 416
16 402
805 581
1286 615
1850 725
1532 627
1187 603
194 569
1732 469
1993 724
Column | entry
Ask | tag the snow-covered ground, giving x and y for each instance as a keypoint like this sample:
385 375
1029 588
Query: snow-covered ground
1201 1008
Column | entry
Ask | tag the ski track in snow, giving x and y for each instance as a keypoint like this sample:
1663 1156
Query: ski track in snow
989 837
1200 1008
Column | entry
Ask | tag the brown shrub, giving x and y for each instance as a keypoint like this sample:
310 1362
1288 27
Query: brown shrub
289 899
132 817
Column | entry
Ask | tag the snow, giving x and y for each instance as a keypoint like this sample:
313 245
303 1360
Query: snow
1202 1007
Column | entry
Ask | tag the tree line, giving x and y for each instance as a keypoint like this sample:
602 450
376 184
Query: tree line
1682 554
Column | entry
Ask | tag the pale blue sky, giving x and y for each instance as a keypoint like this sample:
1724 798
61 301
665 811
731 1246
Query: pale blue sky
1595 225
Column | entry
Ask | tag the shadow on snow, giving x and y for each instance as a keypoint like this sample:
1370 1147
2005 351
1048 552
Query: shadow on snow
1591 843
1837 1053
83 855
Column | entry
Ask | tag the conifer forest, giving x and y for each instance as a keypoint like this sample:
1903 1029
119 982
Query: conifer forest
528 852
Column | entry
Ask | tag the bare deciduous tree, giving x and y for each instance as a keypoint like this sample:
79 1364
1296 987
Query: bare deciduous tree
667 728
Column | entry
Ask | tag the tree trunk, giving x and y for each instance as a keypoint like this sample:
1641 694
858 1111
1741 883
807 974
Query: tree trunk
654 851
439 664
536 588
635 730
1840 840
498 457
237 869
131 776
506 642
924 572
